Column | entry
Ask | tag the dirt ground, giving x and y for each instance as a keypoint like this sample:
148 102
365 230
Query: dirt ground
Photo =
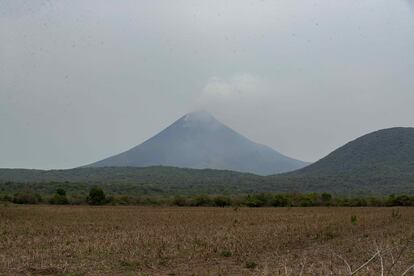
83 240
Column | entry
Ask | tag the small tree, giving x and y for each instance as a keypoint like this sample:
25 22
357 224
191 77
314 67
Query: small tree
222 201
61 192
96 196
179 201
280 200
26 198
59 197
202 200
255 200
326 198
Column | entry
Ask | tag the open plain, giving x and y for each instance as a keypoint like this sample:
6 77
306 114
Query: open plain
83 240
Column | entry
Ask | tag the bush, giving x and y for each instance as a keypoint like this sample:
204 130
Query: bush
76 199
222 201
26 198
202 200
61 192
326 198
375 202
59 198
251 264
306 202
402 200
7 198
255 200
180 201
354 220
280 201
357 202
96 196
226 253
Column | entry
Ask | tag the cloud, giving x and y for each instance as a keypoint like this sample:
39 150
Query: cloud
247 93
240 90
21 8
410 4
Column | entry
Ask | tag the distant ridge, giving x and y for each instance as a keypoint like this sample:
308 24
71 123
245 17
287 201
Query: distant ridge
199 141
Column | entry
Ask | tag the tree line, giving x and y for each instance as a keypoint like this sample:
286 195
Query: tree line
97 196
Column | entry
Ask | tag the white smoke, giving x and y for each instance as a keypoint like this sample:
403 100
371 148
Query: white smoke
241 91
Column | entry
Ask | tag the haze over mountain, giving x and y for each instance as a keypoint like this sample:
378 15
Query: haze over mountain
200 141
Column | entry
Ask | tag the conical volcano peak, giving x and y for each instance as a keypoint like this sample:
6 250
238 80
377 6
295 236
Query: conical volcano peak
199 141
200 119
199 115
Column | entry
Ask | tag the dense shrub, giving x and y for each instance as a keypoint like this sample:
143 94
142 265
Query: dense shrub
255 200
401 200
96 196
6 198
26 198
77 199
326 198
59 198
202 200
180 201
222 201
280 200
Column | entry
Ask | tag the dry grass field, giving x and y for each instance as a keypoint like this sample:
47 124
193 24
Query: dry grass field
50 240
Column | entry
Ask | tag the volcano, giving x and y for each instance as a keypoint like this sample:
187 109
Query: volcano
200 141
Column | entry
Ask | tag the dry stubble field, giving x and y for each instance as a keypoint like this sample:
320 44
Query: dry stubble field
50 240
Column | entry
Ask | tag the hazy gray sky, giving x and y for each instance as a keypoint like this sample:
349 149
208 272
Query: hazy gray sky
82 80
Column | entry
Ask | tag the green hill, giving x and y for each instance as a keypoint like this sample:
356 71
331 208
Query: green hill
379 162
388 152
